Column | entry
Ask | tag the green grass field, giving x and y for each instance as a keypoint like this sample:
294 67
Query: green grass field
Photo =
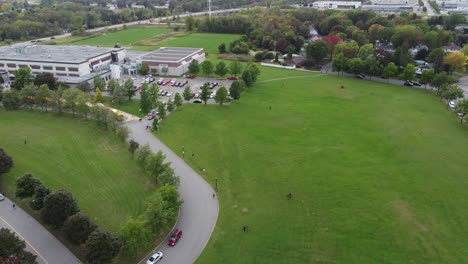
66 153
131 107
124 37
377 172
207 41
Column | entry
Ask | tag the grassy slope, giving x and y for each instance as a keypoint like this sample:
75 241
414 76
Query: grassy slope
131 107
378 173
87 161
123 37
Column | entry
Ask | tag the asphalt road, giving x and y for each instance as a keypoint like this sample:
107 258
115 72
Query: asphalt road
430 10
199 211
38 240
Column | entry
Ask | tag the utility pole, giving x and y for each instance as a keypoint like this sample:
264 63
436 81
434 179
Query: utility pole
209 8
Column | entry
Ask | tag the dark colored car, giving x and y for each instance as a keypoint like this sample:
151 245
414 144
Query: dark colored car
360 76
176 235
197 101
415 83
232 78
182 84
190 76
408 83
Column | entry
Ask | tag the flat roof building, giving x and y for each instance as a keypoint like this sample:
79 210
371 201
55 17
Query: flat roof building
390 8
336 4
69 64
175 60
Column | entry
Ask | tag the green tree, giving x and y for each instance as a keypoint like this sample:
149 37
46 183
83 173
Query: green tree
153 95
145 103
6 162
222 48
155 165
82 104
439 80
427 76
339 63
132 147
98 96
194 67
57 99
142 154
98 82
221 69
78 227
112 86
70 97
154 215
205 93
452 93
22 77
178 100
26 185
37 202
221 96
11 100
161 111
254 71
101 247
144 69
28 95
155 124
43 96
235 68
189 23
462 109
85 87
207 68
349 49
10 244
170 196
236 89
135 236
372 67
366 51
170 105
391 71
121 132
129 88
456 61
436 57
119 94
317 50
247 78
58 206
187 93
356 65
409 73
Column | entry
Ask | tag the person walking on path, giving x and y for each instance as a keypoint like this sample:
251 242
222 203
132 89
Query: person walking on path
214 195
246 228
289 195
14 206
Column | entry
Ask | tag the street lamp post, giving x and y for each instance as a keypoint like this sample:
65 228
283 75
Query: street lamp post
216 184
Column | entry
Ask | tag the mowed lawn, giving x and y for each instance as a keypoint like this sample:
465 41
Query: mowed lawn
123 37
209 42
66 153
378 173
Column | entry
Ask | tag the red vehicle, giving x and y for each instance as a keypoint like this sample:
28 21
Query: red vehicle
190 76
175 237
232 78
166 82
138 88
151 117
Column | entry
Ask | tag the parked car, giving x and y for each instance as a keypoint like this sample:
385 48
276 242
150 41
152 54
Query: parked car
2 197
190 76
138 87
460 115
133 78
166 82
408 83
232 78
151 117
176 235
169 94
197 101
182 84
196 95
153 112
415 83
160 81
156 257
452 104
360 76
212 95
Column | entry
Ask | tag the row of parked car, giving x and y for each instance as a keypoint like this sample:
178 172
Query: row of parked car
172 82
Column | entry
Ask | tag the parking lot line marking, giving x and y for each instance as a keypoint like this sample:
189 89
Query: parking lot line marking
29 244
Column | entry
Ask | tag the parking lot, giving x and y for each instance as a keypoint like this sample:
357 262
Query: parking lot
195 85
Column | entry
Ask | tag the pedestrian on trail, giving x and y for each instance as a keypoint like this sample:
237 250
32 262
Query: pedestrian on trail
289 196
14 206
193 155
214 195
246 228
25 142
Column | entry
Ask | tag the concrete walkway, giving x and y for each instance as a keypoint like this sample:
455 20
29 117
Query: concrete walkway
38 239
199 211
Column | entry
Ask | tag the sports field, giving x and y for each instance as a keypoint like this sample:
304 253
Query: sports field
378 173
66 153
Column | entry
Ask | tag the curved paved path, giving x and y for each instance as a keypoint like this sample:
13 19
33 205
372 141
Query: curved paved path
38 240
199 211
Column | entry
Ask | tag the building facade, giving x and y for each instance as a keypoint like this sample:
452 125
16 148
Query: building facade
336 4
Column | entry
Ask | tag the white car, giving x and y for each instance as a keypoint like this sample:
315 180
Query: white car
168 94
2 197
134 78
452 104
156 257
212 95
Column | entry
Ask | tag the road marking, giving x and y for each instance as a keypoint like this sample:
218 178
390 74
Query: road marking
39 254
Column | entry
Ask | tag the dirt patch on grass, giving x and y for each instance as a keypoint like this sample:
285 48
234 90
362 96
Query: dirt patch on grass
407 217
